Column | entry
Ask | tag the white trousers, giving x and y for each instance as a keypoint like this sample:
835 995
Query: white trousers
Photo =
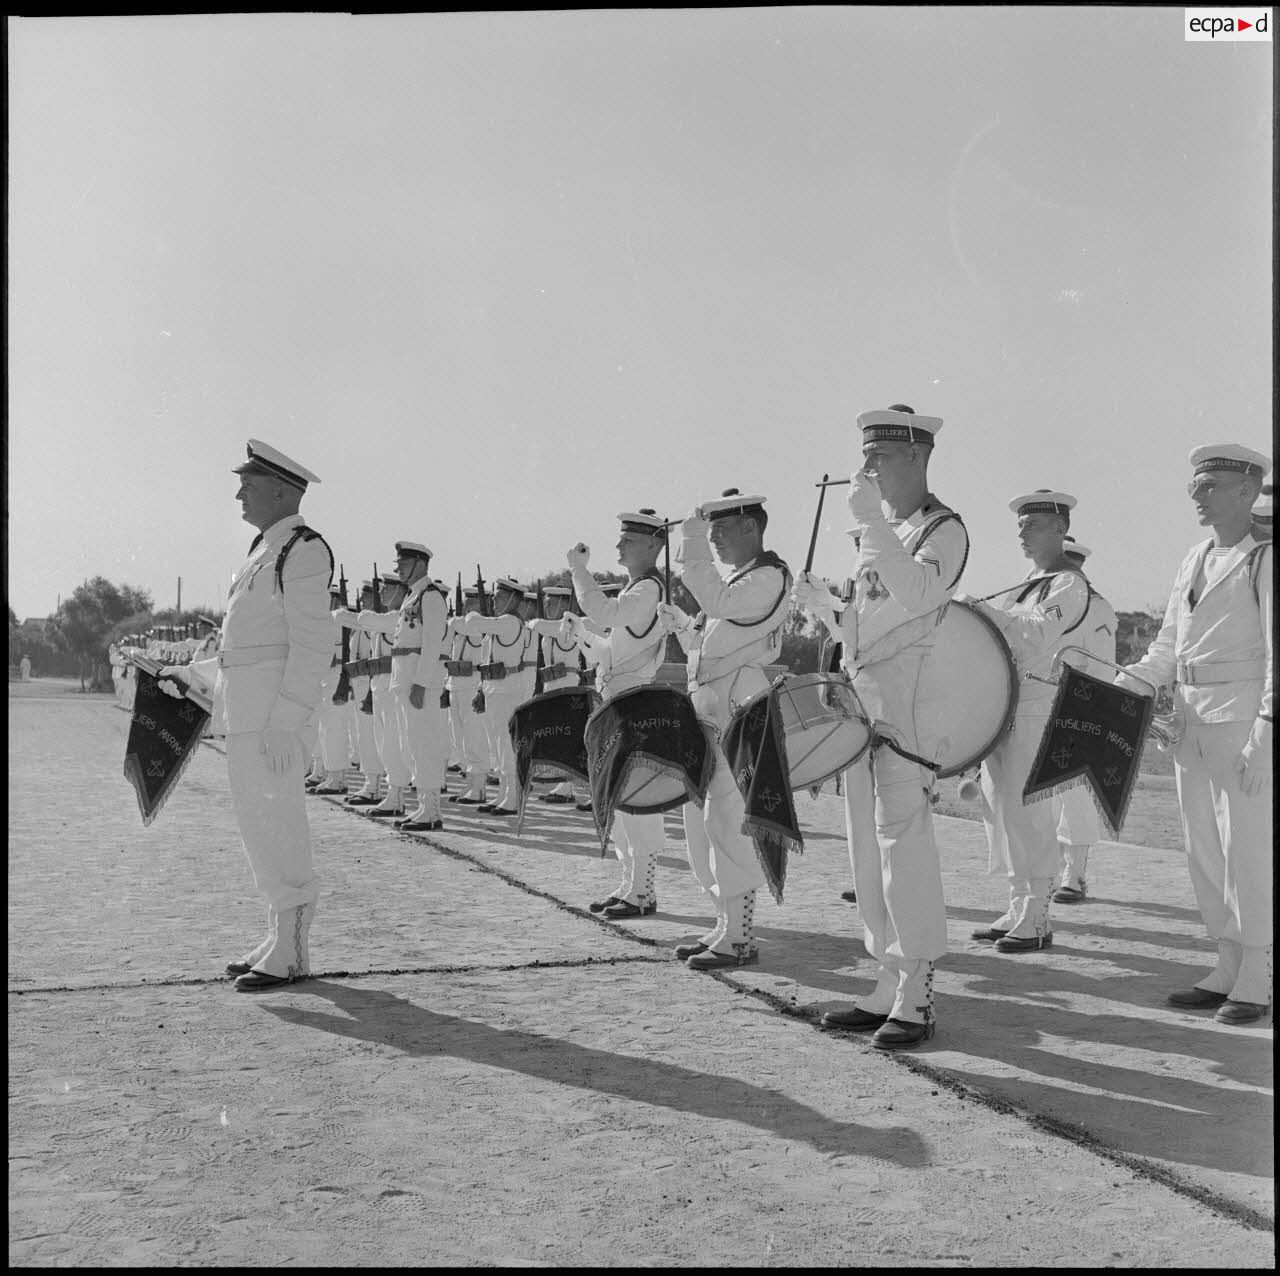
270 810
470 744
1227 835
637 842
366 742
498 708
1022 840
333 735
426 731
721 856
392 749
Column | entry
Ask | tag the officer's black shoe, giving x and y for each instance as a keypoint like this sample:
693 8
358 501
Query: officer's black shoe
238 968
1024 944
601 904
849 897
685 951
626 909
1196 998
257 981
897 1034
853 1019
989 934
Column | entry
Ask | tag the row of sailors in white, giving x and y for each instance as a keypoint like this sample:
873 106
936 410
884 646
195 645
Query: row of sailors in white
169 651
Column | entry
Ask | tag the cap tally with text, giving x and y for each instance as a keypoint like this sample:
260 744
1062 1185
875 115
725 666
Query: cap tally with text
1229 456
1072 546
264 459
898 423
1043 501
732 503
412 549
645 522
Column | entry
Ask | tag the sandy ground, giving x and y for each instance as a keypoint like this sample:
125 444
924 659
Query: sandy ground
482 1073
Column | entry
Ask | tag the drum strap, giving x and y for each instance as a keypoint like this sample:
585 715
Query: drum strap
662 598
906 753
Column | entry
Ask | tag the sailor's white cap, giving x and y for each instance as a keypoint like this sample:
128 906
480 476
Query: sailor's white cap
644 521
1072 546
1229 456
264 459
898 423
1043 501
730 503
412 549
507 582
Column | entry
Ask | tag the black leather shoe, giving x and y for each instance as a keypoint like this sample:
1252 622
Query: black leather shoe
383 815
626 909
357 799
601 904
238 968
685 951
712 960
468 801
454 770
849 897
485 807
417 826
256 981
1018 944
1240 1011
989 934
896 1034
853 1019
583 806
1196 998
1069 895
555 798
499 810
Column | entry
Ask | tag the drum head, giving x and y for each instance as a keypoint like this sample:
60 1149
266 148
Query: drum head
825 727
968 691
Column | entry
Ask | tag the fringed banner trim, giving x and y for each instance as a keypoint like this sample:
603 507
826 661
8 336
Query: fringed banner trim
133 773
772 847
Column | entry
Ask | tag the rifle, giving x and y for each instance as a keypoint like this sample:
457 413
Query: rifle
366 705
540 663
343 692
477 701
459 606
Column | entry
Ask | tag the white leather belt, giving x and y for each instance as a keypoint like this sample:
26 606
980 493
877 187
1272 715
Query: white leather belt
239 656
1216 671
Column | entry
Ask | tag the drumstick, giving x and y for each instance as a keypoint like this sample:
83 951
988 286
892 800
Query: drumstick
813 540
833 482
666 565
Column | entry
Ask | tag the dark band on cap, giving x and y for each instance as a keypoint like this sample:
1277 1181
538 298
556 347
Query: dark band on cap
644 529
896 434
261 464
1044 507
746 511
1228 463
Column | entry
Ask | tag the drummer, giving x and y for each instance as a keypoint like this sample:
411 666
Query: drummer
1038 618
737 633
1076 815
910 552
628 655
559 666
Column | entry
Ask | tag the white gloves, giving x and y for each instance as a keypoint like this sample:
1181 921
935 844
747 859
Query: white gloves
1131 683
282 748
578 555
813 595
173 682
864 498
673 619
475 623
1254 763
695 525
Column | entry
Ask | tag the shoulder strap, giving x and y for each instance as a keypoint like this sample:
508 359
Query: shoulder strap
929 529
662 597
1254 561
767 559
301 533
1090 595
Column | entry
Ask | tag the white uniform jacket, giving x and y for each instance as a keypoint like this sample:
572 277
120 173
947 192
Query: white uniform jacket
630 652
1097 635
1217 648
275 647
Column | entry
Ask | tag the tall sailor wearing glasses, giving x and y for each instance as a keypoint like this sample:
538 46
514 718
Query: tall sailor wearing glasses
1215 649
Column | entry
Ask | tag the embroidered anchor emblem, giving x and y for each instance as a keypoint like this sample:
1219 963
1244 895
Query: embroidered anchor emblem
690 758
1128 708
187 712
1062 757
146 688
155 768
770 800
1111 776
1083 692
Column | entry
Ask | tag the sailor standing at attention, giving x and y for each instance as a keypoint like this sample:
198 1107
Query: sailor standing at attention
470 744
277 641
1216 650
737 632
628 656
360 705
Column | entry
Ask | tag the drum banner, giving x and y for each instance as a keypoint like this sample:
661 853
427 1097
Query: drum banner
163 735
666 738
755 745
1094 735
547 738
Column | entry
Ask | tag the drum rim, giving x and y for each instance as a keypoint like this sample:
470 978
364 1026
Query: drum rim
647 686
556 691
1011 671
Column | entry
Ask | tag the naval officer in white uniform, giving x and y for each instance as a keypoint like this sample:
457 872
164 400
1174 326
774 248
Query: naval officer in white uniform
1215 648
277 641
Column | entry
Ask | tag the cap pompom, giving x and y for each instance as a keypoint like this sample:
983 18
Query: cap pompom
731 491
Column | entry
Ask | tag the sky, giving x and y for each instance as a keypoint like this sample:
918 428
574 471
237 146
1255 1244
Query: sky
499 277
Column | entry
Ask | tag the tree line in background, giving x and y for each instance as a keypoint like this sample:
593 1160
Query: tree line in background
73 641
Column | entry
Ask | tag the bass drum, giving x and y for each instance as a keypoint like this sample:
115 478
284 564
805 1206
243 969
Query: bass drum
968 691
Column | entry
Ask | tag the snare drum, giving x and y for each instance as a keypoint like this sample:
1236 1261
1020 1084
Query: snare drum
648 752
824 724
